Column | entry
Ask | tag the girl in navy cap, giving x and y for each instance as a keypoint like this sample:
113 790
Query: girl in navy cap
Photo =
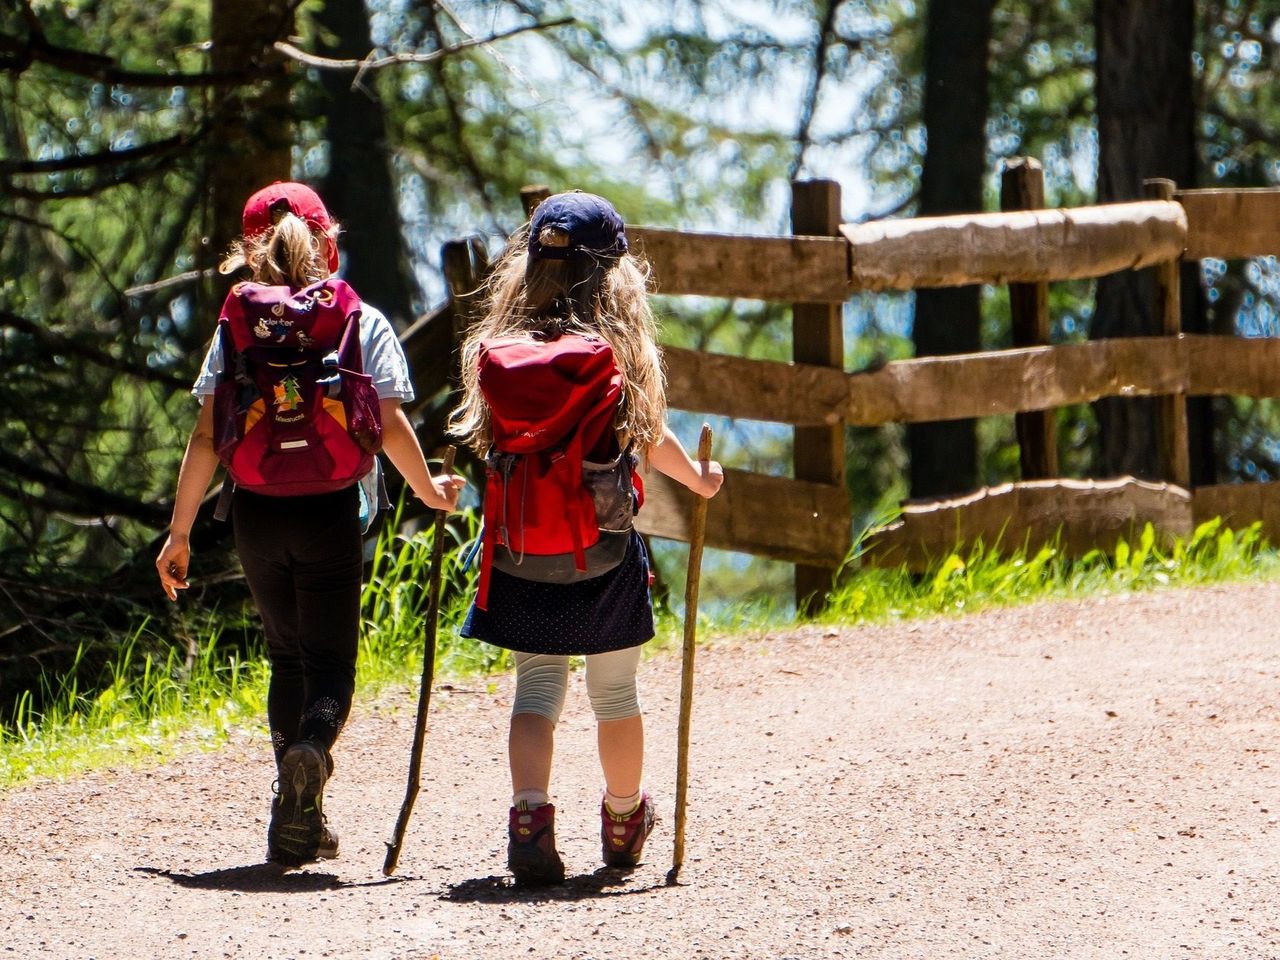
569 271
301 552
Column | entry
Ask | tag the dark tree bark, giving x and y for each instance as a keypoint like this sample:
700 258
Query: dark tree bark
252 136
1146 116
944 456
359 187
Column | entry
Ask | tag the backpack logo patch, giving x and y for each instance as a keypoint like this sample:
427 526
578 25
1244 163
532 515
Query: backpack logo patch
288 400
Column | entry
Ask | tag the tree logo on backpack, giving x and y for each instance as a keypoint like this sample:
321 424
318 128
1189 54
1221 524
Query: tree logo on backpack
288 399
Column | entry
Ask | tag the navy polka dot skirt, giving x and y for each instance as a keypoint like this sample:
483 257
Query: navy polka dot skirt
609 612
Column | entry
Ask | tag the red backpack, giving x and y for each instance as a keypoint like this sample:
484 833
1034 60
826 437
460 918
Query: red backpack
294 411
561 494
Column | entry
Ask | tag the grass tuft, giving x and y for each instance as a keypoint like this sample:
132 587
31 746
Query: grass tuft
978 578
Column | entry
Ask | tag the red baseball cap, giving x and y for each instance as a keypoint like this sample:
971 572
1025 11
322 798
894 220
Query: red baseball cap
297 198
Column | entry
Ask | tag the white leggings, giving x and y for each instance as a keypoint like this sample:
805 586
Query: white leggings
542 681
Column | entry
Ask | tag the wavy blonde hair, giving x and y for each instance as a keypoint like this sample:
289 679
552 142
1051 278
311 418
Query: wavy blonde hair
586 294
289 254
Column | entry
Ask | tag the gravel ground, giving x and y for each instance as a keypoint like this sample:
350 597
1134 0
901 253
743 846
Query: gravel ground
1085 779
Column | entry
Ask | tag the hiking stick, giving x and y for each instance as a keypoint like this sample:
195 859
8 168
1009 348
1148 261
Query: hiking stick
428 674
697 533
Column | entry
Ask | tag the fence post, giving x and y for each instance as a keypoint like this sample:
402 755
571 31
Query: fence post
1022 188
464 263
531 196
817 338
1173 445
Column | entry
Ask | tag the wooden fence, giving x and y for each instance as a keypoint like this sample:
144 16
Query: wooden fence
807 519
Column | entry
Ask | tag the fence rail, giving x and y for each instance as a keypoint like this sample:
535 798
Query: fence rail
975 384
792 520
1022 246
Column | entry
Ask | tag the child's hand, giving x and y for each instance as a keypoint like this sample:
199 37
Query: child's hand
172 563
444 492
710 478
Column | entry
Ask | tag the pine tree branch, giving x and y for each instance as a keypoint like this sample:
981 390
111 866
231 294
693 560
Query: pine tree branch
74 244
88 161
371 63
56 343
75 497
17 56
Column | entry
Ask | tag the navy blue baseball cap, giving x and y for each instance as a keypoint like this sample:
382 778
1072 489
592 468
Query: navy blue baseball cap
593 226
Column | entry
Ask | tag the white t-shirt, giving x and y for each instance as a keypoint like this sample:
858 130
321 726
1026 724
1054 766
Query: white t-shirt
380 352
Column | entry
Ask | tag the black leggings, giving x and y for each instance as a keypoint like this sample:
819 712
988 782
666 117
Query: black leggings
302 559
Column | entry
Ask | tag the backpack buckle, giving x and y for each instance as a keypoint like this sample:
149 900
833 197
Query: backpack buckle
332 379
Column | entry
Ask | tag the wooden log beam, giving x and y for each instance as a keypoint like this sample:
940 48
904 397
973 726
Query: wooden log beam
791 520
1076 515
1231 224
767 390
975 384
805 269
1224 365
428 346
1017 247
1240 504
1012 381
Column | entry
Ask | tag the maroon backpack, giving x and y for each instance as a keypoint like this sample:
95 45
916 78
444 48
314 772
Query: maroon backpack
561 495
294 411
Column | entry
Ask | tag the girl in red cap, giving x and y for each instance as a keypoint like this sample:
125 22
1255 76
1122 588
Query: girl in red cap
569 272
302 375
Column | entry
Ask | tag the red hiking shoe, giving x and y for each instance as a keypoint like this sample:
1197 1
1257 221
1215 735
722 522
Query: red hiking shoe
531 846
622 837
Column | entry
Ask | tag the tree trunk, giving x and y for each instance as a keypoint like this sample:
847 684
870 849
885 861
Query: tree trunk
1145 129
251 139
944 456
359 187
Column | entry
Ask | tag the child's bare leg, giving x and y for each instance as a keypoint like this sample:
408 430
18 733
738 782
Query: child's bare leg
611 685
541 681
621 744
530 747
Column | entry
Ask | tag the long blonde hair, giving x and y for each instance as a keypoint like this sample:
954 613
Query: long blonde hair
289 254
586 294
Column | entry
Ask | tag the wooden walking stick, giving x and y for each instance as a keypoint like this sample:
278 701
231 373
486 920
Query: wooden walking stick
428 674
697 534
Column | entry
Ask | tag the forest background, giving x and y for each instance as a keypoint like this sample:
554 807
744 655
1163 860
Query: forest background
130 135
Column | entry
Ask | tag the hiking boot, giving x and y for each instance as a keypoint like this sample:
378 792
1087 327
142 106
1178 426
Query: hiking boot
622 837
298 833
531 846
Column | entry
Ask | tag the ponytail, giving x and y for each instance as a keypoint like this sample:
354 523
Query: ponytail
288 254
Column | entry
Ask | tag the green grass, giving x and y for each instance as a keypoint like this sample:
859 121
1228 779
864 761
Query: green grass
979 578
144 707
137 712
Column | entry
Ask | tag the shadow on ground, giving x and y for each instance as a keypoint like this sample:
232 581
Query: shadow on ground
261 878
604 882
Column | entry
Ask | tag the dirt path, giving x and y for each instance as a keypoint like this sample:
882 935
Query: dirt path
1097 779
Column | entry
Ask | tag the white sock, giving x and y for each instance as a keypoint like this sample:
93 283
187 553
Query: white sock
622 806
530 799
